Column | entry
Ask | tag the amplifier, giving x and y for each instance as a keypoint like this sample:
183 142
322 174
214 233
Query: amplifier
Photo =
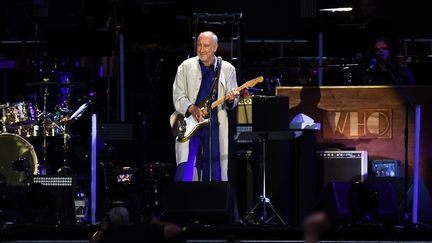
342 166
60 189
244 111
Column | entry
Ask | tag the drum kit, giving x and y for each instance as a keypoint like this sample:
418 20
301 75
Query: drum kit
22 122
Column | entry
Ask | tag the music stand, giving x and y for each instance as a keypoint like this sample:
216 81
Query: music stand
263 137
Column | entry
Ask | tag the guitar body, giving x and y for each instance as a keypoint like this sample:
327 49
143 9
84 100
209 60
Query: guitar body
183 128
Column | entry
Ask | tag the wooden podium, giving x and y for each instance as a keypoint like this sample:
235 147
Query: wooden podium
370 118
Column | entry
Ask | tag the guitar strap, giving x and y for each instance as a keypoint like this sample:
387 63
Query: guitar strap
214 89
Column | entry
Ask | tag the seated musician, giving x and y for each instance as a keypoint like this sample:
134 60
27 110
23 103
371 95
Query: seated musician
382 68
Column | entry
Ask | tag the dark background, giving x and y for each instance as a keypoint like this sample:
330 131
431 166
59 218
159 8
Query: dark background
277 39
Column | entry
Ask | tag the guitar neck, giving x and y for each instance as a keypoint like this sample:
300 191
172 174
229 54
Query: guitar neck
240 88
220 101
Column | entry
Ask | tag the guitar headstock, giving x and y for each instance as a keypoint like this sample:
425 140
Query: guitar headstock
253 82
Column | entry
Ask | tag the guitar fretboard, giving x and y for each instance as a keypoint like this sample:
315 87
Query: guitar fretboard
248 84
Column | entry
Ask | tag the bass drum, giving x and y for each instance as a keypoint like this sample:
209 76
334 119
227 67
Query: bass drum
18 159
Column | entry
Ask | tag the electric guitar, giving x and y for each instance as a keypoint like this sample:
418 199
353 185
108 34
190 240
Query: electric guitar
182 128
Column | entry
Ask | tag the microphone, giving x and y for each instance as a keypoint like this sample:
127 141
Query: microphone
255 90
372 64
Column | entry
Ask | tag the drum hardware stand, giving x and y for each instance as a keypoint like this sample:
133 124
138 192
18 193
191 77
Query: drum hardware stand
66 121
42 169
65 169
4 116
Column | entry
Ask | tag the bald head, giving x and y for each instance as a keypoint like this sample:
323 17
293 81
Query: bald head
209 34
207 45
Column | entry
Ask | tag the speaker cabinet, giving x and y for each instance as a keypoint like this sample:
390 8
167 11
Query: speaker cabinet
388 198
336 202
61 187
199 202
424 198
39 204
347 202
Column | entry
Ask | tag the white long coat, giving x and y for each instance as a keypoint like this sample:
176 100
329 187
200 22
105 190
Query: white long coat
185 92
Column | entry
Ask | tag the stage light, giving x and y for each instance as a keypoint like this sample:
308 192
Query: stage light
338 9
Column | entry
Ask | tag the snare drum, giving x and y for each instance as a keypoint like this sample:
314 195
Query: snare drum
14 149
19 114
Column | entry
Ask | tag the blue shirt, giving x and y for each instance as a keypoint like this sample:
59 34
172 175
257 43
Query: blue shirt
208 73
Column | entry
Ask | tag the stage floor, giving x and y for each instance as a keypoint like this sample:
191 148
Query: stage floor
227 233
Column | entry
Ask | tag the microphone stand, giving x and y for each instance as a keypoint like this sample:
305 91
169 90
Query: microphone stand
212 97
407 104
209 110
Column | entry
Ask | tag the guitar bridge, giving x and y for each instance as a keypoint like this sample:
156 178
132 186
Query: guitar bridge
182 126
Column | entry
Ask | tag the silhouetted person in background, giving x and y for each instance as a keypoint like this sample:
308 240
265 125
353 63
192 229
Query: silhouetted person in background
117 227
309 101
382 68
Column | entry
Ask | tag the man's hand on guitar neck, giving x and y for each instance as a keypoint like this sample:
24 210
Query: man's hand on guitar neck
196 113
233 94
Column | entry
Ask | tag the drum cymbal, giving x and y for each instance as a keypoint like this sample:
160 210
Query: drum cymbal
56 84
